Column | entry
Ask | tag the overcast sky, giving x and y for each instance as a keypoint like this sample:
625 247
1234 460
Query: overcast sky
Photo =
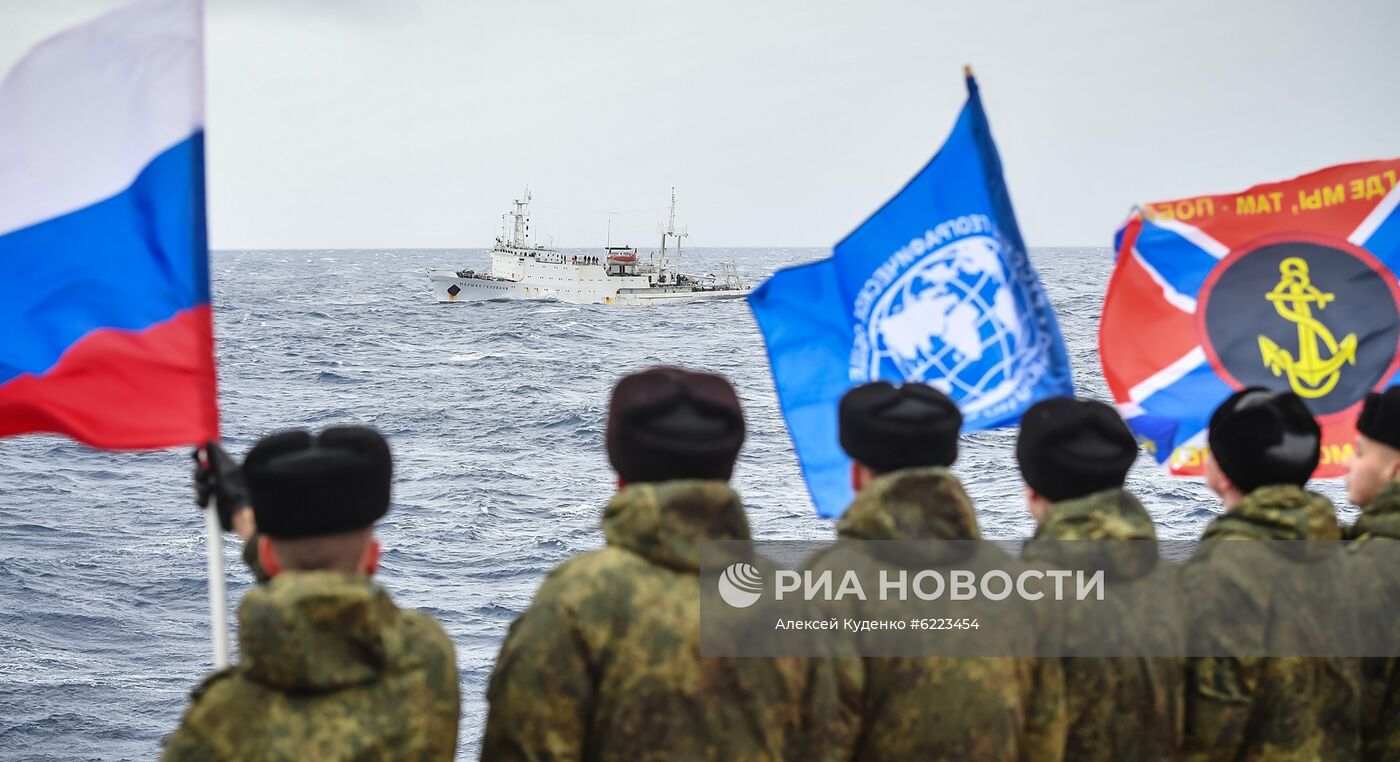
413 123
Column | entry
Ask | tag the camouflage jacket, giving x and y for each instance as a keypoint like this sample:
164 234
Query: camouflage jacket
1250 707
1128 707
1381 518
930 707
330 669
606 664
1377 565
253 560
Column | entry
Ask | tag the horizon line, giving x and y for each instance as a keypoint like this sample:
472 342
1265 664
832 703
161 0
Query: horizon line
226 249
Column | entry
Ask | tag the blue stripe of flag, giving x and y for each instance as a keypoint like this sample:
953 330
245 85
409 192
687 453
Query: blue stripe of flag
1182 264
127 262
1176 413
1384 243
1160 431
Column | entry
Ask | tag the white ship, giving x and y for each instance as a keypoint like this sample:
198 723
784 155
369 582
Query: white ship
522 269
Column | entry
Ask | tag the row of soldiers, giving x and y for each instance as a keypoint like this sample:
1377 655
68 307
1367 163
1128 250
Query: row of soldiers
606 662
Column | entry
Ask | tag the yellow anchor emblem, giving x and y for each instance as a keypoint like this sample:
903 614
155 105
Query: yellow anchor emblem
1310 375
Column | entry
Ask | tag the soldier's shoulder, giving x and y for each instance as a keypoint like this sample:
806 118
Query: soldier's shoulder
1379 543
582 576
429 649
839 555
425 630
1221 536
601 561
214 704
215 679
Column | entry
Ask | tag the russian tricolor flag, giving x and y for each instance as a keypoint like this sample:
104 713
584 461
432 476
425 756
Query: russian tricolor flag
105 327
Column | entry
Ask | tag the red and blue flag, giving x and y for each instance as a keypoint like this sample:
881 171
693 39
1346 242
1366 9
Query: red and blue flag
105 327
1290 285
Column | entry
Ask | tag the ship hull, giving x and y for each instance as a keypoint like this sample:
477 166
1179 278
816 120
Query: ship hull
664 295
448 286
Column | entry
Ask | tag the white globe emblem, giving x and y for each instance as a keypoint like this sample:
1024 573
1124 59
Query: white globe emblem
740 585
951 320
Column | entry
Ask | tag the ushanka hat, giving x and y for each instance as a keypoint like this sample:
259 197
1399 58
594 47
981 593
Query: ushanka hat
669 423
1260 438
308 485
1070 448
1380 417
887 428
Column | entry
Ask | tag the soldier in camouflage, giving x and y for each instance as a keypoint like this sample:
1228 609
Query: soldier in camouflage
605 663
1373 485
1074 456
330 668
983 708
1264 446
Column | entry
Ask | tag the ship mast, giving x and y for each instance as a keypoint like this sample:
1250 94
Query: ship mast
520 217
670 231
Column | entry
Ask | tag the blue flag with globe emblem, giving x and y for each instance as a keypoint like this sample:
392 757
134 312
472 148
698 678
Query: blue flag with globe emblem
935 287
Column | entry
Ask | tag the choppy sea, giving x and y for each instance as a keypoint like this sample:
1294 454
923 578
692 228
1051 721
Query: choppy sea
495 414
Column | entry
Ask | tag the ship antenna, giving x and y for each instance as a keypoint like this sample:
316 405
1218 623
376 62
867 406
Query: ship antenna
671 224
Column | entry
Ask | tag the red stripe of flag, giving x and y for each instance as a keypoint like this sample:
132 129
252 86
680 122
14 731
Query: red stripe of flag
1330 202
1133 307
124 390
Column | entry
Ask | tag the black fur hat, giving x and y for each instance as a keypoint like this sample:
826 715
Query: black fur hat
886 427
668 423
307 485
1380 417
1259 437
1070 448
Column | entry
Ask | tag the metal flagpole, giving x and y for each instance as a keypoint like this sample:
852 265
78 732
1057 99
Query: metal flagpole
218 601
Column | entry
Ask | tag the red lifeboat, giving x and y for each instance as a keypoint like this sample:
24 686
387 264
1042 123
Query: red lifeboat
623 259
